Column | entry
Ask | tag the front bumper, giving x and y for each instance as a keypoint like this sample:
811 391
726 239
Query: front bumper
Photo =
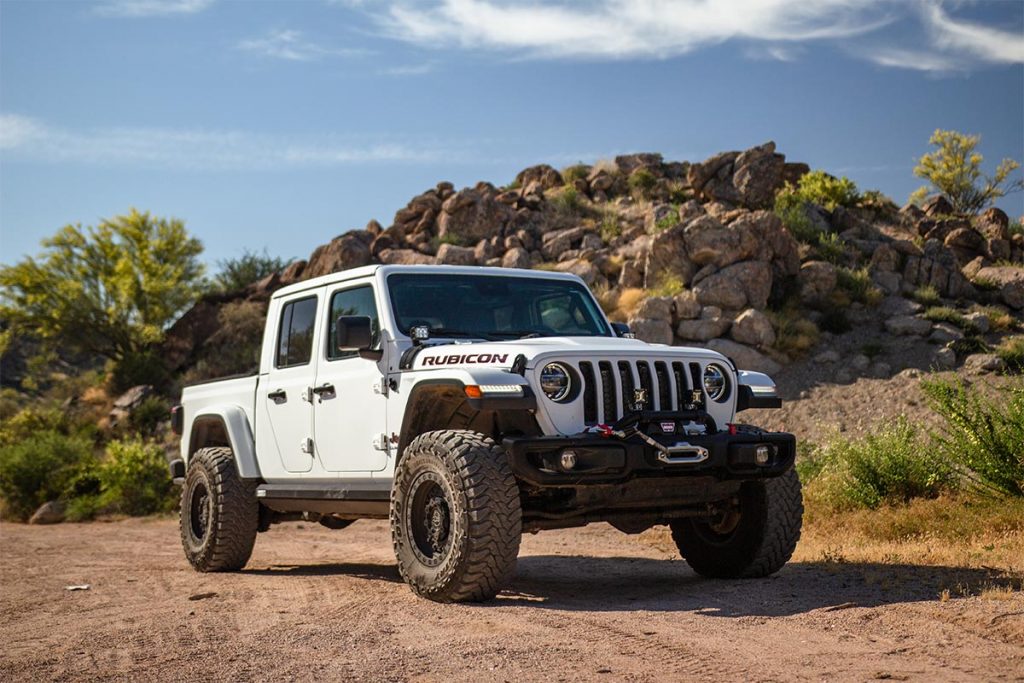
722 456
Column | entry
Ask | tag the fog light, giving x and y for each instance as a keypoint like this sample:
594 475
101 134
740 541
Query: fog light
762 454
568 460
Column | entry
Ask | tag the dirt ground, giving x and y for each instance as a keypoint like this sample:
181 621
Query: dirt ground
586 604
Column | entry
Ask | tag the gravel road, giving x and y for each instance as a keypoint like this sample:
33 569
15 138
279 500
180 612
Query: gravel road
587 604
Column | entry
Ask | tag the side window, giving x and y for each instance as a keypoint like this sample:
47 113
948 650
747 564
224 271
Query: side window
355 301
295 336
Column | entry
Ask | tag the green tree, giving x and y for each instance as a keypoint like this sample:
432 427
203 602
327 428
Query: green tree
954 169
110 290
238 273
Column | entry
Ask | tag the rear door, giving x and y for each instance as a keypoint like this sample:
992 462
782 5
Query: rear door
350 406
287 390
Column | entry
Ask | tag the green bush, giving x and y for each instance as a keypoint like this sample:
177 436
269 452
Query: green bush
235 347
134 479
832 248
571 174
610 228
792 211
1016 228
985 437
139 367
927 296
39 468
149 414
669 220
857 285
567 201
238 273
891 466
641 182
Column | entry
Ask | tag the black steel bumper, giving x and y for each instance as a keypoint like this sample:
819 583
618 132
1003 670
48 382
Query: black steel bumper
598 460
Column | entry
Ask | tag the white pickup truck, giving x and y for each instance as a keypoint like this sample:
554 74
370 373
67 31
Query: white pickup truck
468 405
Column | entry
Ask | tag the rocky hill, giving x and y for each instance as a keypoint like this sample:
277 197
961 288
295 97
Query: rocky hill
695 253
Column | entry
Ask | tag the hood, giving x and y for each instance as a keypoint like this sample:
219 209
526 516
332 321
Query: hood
439 354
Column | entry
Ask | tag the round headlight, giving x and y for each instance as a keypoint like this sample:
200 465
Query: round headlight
716 385
556 382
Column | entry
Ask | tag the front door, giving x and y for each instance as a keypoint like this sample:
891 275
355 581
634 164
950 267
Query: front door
350 405
286 391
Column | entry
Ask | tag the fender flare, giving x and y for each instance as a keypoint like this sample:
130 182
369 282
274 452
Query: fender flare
239 433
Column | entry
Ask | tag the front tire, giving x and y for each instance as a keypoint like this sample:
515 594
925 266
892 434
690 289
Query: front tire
456 521
752 541
219 513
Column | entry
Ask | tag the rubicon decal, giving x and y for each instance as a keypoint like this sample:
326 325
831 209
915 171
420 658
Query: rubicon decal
466 359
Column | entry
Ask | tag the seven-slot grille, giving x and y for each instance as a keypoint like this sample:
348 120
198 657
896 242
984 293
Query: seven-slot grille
608 386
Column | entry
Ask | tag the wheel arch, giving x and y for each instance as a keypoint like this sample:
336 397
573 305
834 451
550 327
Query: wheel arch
440 403
225 426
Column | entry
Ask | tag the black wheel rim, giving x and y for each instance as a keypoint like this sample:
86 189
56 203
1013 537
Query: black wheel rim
721 528
199 511
429 519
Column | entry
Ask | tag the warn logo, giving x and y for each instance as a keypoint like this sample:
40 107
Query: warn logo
468 358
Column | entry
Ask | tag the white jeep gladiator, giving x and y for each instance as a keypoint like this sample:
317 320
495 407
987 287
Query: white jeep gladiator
468 405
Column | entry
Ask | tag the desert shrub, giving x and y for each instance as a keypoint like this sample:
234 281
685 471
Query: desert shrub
818 187
610 228
621 305
148 415
984 436
40 468
954 170
238 273
1011 350
134 479
138 367
1016 228
857 285
669 220
679 192
641 182
792 211
667 284
571 174
999 319
946 314
927 296
794 333
968 345
235 347
831 248
890 466
567 201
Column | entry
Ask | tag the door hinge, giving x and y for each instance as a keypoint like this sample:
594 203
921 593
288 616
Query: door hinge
307 445
380 443
381 387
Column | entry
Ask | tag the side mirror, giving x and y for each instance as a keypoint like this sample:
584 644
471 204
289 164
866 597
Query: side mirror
355 333
622 330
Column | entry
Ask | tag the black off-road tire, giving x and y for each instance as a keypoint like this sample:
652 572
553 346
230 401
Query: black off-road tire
218 531
456 521
758 543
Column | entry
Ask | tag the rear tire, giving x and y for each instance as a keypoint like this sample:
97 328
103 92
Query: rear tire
456 522
755 542
219 513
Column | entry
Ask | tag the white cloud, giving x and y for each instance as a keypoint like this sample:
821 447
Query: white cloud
150 8
916 60
985 43
27 139
407 70
779 53
619 29
291 45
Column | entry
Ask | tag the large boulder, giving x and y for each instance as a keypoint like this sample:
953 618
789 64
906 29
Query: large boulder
471 214
545 176
817 280
754 328
406 257
745 357
1008 280
343 252
666 259
516 257
451 255
651 330
710 325
741 285
994 224
758 175
708 241
51 512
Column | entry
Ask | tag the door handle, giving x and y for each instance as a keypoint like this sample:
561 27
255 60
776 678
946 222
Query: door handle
278 395
325 388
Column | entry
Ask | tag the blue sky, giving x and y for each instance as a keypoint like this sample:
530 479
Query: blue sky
280 125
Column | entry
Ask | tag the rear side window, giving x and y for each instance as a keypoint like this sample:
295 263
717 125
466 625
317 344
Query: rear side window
295 336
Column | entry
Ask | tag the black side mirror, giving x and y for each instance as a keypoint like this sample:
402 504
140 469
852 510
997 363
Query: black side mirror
622 330
353 333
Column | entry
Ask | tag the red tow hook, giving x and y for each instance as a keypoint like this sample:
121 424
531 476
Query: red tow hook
733 431
604 430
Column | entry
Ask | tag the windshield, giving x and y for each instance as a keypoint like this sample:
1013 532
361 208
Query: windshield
494 307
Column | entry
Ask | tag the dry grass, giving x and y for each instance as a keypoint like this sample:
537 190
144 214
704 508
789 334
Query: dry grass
949 532
623 305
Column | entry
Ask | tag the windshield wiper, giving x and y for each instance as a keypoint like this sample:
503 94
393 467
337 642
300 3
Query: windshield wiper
519 334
